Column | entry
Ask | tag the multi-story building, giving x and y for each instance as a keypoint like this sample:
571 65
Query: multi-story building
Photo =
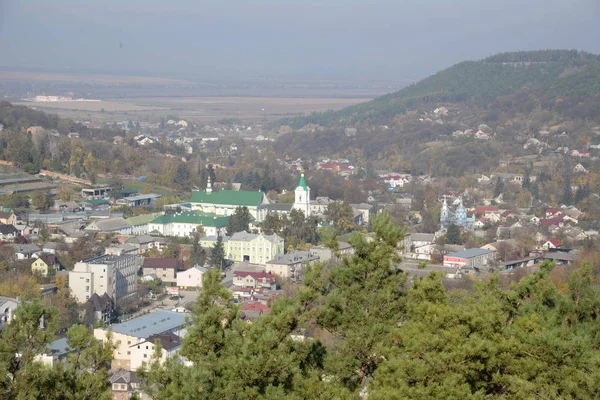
185 224
290 265
225 202
254 248
134 339
110 274
164 269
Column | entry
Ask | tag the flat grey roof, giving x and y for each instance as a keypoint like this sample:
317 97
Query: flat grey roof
142 197
468 253
159 321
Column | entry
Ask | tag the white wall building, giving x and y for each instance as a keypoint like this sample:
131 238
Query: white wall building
111 274
191 278
302 197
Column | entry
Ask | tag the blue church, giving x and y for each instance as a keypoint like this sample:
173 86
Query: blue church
458 217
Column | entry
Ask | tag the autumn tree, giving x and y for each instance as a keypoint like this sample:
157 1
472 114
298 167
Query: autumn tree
41 200
341 215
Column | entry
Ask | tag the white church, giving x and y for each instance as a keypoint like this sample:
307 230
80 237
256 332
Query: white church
301 200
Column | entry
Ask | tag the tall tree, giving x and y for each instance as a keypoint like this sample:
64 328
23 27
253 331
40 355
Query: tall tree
567 191
239 221
453 234
182 174
363 301
217 254
499 187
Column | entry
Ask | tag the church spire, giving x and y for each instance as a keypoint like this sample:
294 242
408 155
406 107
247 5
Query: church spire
302 181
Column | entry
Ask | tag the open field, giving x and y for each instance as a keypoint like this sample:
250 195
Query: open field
87 78
198 109
87 106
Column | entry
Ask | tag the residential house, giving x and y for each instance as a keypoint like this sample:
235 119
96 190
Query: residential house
253 310
8 218
254 280
418 245
142 351
365 210
319 205
50 247
25 251
43 264
494 246
290 265
164 268
8 233
393 181
254 248
124 384
552 223
138 330
551 243
8 305
325 253
479 224
404 203
187 223
470 259
553 213
191 278
56 351
114 275
580 169
98 309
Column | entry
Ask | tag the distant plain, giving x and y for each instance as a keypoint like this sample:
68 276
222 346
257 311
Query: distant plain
152 98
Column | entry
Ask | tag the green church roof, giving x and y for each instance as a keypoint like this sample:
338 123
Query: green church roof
228 197
302 181
196 218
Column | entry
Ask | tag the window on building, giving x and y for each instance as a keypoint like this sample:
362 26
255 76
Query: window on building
145 355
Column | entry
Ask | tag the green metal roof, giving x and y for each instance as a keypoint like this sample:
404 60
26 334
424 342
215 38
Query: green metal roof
127 191
302 181
228 197
197 218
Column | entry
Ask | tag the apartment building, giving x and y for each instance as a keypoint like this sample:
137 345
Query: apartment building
115 275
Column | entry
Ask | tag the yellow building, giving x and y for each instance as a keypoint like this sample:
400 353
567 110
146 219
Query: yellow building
253 248
44 264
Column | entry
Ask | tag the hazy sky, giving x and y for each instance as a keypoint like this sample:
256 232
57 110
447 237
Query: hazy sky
392 40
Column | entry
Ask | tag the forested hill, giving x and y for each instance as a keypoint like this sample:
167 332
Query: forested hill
556 73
